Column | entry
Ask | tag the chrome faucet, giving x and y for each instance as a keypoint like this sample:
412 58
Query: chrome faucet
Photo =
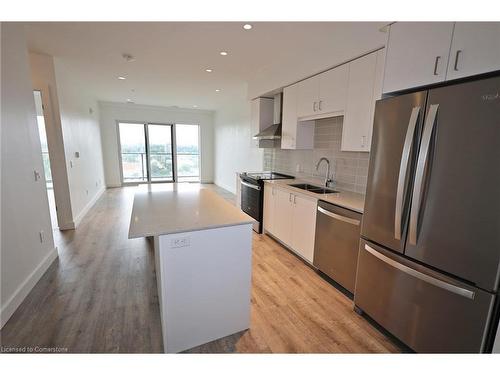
327 177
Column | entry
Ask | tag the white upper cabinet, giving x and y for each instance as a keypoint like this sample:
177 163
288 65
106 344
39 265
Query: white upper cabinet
307 97
289 119
364 88
475 49
323 94
294 134
417 54
333 90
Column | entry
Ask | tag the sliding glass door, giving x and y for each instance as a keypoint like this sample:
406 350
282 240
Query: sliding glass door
159 152
133 153
146 152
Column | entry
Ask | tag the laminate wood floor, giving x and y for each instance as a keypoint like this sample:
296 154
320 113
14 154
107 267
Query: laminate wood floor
100 296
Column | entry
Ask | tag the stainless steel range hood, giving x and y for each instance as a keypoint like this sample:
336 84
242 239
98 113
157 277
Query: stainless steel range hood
270 137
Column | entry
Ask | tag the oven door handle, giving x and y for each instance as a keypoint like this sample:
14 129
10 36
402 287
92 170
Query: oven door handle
256 187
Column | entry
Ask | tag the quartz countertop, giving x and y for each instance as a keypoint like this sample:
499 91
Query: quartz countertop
347 199
175 208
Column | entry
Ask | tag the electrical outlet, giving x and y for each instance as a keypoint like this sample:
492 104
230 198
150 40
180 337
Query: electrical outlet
179 242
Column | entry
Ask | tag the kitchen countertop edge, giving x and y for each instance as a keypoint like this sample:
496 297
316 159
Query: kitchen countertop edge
346 199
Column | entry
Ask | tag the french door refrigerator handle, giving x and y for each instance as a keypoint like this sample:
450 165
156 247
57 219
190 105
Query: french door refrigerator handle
421 276
423 157
403 170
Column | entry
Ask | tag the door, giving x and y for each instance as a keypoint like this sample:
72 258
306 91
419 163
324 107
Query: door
417 54
283 217
146 152
308 97
475 49
396 130
333 89
337 243
133 155
454 221
358 117
304 226
250 199
160 156
269 207
427 311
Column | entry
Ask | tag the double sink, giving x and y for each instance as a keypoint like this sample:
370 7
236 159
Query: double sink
313 188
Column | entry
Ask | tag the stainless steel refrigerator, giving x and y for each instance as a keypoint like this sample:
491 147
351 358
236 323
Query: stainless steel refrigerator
428 268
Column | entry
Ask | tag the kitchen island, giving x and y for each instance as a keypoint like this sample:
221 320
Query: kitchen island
203 258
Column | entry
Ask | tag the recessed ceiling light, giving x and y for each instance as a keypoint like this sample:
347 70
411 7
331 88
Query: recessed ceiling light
217 90
247 26
122 77
208 70
195 106
223 53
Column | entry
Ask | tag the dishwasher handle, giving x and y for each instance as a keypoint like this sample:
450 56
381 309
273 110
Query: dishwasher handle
338 217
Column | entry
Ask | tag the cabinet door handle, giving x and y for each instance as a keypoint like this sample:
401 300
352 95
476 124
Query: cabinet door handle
314 106
290 197
436 63
455 67
321 101
294 199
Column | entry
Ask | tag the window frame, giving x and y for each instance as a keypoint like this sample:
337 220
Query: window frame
173 148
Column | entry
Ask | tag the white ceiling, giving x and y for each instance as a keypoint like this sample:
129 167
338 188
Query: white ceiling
171 57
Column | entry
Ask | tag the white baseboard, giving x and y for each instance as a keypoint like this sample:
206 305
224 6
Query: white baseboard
226 187
67 226
86 209
23 290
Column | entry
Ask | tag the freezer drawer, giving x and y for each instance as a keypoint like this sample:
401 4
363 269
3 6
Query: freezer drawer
427 311
337 242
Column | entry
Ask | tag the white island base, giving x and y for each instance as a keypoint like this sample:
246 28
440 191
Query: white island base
204 280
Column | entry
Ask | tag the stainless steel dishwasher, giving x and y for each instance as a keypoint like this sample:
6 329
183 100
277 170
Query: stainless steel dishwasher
337 243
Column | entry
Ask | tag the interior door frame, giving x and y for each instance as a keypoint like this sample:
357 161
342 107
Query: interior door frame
146 144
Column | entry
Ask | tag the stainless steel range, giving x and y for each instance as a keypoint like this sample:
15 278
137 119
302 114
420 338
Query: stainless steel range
252 193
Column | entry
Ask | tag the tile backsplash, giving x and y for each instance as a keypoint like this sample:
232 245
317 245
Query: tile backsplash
350 169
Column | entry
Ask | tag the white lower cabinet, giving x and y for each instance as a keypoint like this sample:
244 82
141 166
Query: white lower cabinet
283 215
304 226
291 218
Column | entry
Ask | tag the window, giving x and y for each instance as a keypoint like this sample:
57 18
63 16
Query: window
188 152
133 152
147 152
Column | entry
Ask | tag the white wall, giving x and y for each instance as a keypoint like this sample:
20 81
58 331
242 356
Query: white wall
235 151
81 132
110 113
25 209
44 79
